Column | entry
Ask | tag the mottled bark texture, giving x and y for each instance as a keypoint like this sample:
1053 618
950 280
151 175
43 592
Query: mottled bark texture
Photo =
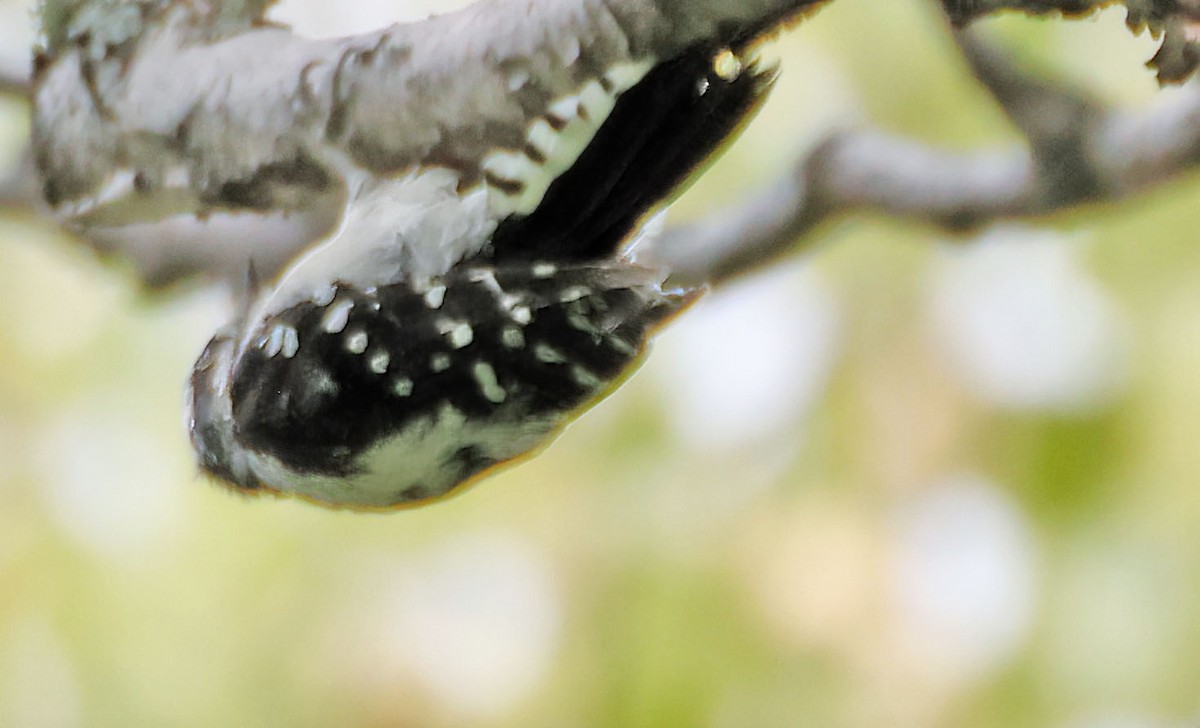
169 113
181 134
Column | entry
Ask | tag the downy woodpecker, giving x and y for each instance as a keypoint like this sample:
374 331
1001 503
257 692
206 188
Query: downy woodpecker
460 315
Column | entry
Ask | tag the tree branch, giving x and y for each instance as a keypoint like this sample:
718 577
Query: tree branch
1077 152
1176 21
287 136
265 151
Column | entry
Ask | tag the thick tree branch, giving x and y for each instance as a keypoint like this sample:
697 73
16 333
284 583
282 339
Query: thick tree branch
123 146
1077 152
442 89
185 177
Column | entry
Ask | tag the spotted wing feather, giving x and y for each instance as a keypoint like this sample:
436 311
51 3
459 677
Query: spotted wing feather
514 349
671 122
412 351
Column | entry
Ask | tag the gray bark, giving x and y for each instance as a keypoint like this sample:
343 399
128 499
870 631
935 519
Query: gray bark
275 124
186 134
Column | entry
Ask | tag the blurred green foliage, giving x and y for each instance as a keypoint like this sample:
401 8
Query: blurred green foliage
897 550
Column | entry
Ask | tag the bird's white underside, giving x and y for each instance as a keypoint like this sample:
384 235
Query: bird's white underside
417 461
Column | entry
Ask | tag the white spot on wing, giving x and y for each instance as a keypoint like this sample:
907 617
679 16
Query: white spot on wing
274 342
291 342
509 301
562 146
522 315
513 338
461 335
489 386
579 321
402 387
621 345
379 362
336 318
548 354
585 378
435 297
356 343
574 293
439 362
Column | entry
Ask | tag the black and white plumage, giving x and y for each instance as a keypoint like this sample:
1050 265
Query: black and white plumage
443 330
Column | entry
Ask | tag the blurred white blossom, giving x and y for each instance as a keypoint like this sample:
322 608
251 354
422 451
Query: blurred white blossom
1024 324
109 482
475 621
964 577
751 360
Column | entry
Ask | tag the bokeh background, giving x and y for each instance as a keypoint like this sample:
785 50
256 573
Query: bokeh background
900 480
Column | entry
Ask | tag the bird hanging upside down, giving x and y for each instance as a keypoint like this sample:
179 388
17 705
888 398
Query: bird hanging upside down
458 318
